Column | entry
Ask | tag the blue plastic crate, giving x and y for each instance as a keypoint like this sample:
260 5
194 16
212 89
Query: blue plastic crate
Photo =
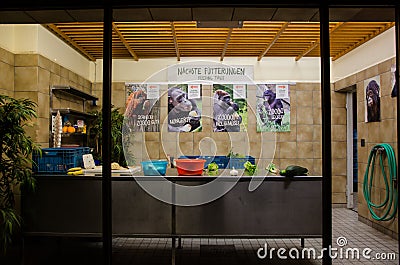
81 151
221 161
238 162
58 160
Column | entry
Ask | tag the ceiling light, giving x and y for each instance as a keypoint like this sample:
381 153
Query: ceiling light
219 24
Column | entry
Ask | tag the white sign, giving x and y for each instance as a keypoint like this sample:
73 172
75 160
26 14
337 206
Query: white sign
153 91
239 91
282 91
211 73
194 91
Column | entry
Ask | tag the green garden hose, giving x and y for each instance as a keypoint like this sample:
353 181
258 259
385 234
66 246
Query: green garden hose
390 185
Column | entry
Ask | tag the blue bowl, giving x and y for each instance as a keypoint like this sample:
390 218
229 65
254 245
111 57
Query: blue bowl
154 167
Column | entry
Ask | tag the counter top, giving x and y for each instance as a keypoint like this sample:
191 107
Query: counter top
173 176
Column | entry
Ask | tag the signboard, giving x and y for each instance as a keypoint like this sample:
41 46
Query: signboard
210 73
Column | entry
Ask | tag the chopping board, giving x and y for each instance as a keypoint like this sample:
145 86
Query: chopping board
97 171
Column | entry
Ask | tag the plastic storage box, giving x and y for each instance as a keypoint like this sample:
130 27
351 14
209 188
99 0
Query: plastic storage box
154 167
238 162
58 160
208 159
190 167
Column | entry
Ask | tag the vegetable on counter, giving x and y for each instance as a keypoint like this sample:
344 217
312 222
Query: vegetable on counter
212 169
289 171
250 168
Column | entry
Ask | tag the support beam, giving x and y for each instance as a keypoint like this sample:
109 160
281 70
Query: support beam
122 38
397 79
65 37
326 134
106 130
178 54
283 28
228 38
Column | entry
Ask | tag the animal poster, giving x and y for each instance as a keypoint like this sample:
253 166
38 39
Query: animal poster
393 81
143 107
229 108
184 108
273 108
372 99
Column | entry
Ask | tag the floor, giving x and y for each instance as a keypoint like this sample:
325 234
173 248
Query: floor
350 234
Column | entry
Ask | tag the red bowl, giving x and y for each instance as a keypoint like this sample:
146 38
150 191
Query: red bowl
190 167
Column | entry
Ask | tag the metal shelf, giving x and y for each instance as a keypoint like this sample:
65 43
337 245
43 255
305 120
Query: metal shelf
73 112
75 92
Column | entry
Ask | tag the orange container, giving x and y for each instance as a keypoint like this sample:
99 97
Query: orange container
190 167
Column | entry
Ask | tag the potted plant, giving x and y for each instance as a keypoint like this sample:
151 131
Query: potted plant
16 149
117 126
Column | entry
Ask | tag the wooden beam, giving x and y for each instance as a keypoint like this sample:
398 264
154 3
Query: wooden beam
228 38
283 28
66 38
126 44
364 40
316 43
178 54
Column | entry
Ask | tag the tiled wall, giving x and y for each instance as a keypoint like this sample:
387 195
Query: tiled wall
34 75
301 146
6 73
374 133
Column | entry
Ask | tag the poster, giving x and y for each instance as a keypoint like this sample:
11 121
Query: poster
143 107
393 81
229 108
273 108
184 108
372 99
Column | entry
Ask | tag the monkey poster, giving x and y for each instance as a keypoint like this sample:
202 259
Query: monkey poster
184 108
393 81
372 99
229 108
273 108
143 107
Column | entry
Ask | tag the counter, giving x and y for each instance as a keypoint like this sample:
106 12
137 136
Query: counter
280 207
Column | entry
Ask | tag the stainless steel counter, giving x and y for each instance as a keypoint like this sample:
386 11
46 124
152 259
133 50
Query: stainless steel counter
279 207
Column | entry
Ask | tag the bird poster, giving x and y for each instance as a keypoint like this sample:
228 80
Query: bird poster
273 108
184 108
229 107
143 107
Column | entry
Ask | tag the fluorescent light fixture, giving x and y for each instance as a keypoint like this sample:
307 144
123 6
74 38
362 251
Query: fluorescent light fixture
219 24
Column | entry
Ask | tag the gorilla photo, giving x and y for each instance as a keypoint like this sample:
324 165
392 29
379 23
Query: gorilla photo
271 109
373 101
183 113
225 116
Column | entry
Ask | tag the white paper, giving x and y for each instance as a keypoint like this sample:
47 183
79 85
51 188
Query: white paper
282 91
153 91
194 91
239 91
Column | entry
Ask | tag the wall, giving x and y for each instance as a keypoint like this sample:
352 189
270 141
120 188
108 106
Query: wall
35 39
34 75
6 73
365 56
374 133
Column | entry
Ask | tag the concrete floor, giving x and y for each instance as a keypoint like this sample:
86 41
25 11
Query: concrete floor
347 231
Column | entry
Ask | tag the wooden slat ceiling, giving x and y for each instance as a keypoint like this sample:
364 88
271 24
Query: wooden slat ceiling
260 39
